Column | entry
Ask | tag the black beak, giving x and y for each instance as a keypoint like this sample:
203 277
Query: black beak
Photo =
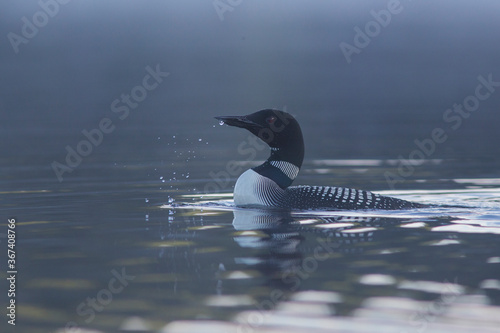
237 121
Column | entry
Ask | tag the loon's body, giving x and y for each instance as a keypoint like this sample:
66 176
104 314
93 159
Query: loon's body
268 184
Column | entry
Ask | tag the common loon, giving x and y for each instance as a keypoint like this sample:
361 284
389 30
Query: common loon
269 183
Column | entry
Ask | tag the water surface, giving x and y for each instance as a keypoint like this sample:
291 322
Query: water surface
186 255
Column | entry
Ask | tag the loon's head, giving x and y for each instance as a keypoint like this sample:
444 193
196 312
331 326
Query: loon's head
274 127
278 129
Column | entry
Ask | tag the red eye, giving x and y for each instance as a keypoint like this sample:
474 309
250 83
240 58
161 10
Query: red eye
271 120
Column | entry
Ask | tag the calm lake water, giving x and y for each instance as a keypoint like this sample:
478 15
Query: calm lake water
138 232
124 245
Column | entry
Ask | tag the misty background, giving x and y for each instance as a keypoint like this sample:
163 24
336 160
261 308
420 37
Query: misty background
259 54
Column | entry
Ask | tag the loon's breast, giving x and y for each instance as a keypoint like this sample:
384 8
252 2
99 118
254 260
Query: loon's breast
253 189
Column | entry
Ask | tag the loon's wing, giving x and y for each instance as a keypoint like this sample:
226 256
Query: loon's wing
307 197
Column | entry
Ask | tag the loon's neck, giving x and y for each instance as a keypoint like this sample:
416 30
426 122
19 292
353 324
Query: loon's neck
284 163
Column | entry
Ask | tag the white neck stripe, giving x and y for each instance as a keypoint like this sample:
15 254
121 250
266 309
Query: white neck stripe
289 169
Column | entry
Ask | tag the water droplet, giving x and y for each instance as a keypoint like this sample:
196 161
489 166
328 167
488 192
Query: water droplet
221 122
173 136
158 138
199 140
161 177
146 199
